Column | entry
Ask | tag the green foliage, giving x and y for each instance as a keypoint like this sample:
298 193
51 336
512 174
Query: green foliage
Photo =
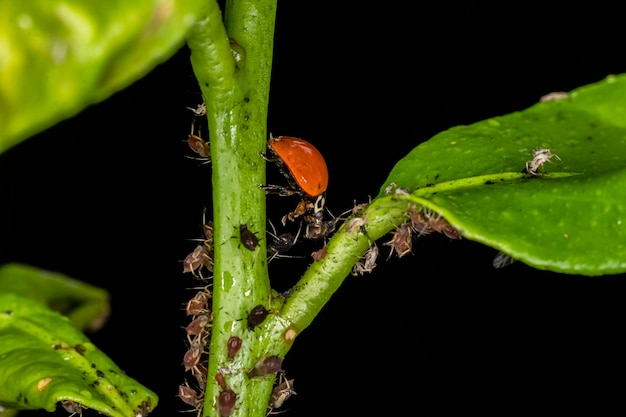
45 360
60 56
568 218
64 56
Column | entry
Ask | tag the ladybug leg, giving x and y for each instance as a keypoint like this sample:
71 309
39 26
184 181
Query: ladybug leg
280 190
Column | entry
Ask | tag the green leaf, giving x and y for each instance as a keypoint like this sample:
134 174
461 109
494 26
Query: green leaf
46 360
85 305
570 217
60 56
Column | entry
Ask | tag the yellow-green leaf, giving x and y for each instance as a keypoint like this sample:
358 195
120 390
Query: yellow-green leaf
59 56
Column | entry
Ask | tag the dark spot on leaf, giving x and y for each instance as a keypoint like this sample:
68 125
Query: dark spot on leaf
489 182
8 313
100 374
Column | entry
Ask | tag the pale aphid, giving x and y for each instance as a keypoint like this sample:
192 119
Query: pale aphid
540 157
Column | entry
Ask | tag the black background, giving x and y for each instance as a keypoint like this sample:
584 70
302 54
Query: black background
110 197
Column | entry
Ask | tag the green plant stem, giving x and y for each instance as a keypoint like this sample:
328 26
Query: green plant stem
232 63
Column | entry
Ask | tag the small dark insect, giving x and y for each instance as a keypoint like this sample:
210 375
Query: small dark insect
256 316
266 366
248 239
73 407
144 409
226 402
232 347
280 243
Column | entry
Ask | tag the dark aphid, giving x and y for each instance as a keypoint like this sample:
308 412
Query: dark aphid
256 316
266 366
248 239
226 402
280 243
221 381
232 347
144 409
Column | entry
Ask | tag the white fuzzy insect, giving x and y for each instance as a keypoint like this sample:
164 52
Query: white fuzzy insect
540 157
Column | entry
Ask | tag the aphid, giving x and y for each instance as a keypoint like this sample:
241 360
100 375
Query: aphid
199 303
317 228
198 327
226 402
193 260
319 254
200 372
401 242
248 239
501 260
257 316
367 263
190 396
281 392
393 187
419 222
540 157
439 224
192 356
199 145
200 109
357 223
266 366
144 409
232 347
73 407
280 243
556 95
